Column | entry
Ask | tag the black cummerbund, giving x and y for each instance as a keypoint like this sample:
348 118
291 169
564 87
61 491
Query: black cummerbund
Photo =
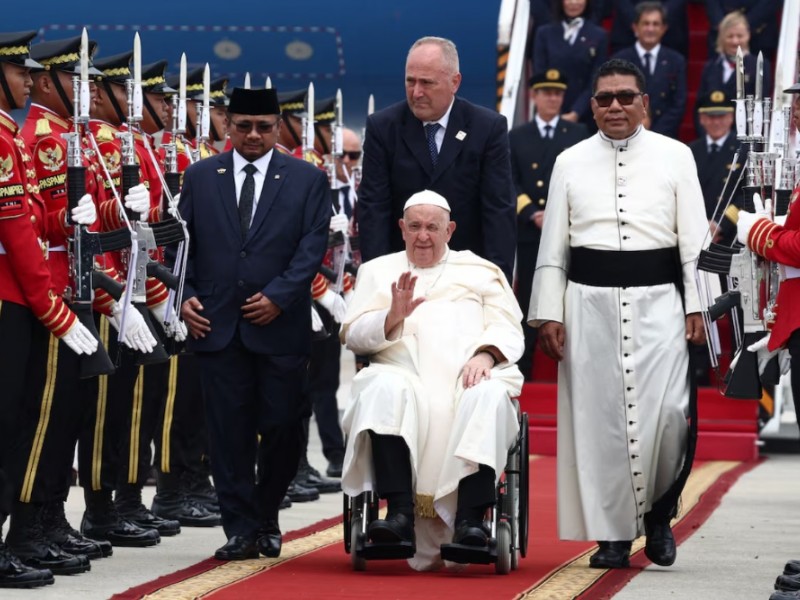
616 268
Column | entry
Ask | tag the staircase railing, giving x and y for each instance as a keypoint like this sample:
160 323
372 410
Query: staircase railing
512 39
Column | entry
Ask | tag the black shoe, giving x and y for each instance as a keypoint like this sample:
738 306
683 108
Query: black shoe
58 531
198 489
471 533
301 493
308 476
26 540
101 521
395 528
792 567
270 540
335 467
285 503
147 520
780 595
788 583
15 574
611 555
238 547
176 506
660 544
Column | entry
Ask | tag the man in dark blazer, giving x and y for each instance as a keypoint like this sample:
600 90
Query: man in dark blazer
258 222
664 69
534 148
462 154
677 19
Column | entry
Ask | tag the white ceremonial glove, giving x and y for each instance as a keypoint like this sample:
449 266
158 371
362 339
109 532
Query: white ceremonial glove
781 220
334 304
340 222
80 340
316 320
85 212
172 208
744 225
176 330
137 334
138 200
764 356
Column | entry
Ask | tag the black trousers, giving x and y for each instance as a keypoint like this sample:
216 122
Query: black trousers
56 401
323 383
794 349
18 336
255 406
180 439
526 267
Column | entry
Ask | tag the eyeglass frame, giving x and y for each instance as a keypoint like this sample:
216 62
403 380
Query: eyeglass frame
261 127
609 97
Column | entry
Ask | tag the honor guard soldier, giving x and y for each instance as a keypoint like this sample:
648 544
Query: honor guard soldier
43 468
218 100
31 310
534 148
292 105
100 450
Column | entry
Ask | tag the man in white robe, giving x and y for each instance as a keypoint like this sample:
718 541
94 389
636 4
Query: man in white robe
615 301
431 420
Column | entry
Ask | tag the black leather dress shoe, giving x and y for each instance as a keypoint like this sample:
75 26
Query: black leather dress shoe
788 583
285 503
335 467
238 547
471 533
398 527
792 567
308 476
660 544
15 574
301 493
270 540
611 555
780 595
118 531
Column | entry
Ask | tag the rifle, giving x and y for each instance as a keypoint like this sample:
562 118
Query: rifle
84 245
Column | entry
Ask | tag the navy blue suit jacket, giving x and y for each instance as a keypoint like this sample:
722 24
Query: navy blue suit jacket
676 37
762 16
577 62
281 255
473 172
666 88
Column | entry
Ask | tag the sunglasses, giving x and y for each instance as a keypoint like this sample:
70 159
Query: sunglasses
247 126
624 98
352 154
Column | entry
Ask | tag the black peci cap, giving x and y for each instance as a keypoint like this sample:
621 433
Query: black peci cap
254 102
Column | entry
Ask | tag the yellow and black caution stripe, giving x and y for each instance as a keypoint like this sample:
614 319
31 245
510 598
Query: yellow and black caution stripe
502 64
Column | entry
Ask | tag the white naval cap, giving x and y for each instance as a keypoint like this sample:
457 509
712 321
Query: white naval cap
427 197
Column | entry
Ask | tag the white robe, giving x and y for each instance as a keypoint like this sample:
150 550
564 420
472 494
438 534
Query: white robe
623 390
412 387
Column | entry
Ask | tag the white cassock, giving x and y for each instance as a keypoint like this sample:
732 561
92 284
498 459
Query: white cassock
413 389
623 390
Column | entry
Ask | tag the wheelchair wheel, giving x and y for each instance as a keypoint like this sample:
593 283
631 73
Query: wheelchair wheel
524 489
356 537
347 519
504 549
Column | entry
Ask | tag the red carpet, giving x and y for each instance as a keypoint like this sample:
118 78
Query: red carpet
316 566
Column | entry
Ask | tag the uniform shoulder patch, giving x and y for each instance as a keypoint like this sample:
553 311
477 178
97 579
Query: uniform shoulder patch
12 182
42 127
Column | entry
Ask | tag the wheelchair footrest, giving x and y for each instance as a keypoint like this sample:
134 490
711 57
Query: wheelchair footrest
465 555
394 551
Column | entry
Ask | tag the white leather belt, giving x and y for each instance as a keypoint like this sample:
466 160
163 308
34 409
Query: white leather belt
43 246
58 248
791 272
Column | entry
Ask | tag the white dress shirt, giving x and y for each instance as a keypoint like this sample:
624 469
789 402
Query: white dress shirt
653 55
443 122
261 165
540 123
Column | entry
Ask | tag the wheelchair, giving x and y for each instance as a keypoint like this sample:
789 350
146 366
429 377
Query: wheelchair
507 520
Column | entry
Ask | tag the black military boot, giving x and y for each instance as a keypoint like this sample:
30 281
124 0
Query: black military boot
101 521
308 477
200 490
172 502
58 531
27 542
15 574
128 500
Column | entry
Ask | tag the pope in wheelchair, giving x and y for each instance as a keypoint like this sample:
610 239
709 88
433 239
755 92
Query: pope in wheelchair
431 422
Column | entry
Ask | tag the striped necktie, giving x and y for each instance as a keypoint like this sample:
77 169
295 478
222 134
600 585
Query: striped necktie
430 135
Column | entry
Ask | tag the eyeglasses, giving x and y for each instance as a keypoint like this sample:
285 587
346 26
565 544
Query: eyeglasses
352 154
624 98
247 126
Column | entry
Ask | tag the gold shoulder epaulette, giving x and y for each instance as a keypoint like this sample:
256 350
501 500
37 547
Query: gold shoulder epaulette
104 134
43 127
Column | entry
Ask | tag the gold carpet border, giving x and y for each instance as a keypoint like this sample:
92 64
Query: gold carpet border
576 577
236 571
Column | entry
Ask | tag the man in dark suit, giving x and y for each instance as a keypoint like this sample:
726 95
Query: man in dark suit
677 19
534 148
664 69
713 154
258 221
440 142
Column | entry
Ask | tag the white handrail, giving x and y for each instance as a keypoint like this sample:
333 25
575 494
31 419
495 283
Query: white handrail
510 104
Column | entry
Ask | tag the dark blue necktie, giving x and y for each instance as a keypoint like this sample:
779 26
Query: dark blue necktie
430 134
246 198
344 200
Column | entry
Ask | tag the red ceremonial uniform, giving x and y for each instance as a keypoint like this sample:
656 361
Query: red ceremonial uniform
24 275
781 244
